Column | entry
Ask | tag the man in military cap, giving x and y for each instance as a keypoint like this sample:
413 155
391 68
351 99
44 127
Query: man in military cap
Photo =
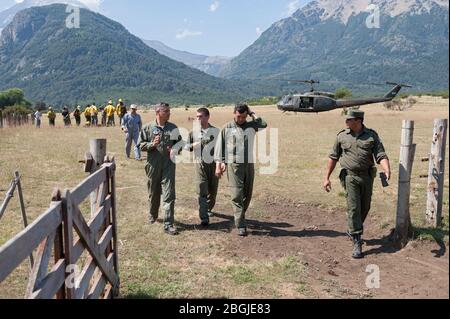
234 149
161 140
201 141
357 149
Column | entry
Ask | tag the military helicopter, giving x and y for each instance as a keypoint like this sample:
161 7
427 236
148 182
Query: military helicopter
317 102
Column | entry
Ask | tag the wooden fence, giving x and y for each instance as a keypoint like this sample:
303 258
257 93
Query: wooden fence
53 236
13 119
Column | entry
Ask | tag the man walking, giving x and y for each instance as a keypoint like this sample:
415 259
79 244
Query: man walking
357 148
131 126
235 149
201 141
162 142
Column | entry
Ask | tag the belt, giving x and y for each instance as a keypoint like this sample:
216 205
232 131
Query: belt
358 173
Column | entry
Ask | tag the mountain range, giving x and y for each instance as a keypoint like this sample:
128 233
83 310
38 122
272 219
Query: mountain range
212 65
98 61
8 14
351 43
340 43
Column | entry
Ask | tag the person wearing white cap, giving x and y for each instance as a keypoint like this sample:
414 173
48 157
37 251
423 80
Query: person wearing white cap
131 126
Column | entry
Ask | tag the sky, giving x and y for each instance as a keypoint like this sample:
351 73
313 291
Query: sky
210 27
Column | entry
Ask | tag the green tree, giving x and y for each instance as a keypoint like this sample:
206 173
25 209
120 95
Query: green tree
343 93
13 97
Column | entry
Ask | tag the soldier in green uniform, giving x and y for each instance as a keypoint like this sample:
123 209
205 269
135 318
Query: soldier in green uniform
357 148
234 149
161 141
201 141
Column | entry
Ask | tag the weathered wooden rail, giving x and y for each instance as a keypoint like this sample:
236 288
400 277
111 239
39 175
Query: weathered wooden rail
51 236
13 119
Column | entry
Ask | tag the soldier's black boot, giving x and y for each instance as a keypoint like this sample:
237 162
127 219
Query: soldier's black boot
357 247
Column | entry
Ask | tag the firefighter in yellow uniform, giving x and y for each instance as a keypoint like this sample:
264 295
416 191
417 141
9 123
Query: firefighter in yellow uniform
51 117
94 115
87 115
121 110
110 110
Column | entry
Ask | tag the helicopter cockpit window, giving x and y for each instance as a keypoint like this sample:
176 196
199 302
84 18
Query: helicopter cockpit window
288 100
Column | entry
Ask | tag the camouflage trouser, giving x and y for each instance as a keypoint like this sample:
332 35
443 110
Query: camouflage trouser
207 185
359 197
241 178
161 186
51 122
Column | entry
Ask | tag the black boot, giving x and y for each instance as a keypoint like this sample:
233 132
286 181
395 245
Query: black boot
357 247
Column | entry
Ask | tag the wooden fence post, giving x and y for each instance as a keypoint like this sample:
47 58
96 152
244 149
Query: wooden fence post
97 148
22 208
435 189
59 244
407 152
68 242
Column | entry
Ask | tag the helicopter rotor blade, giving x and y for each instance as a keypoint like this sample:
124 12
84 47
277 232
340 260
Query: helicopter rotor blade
302 81
403 85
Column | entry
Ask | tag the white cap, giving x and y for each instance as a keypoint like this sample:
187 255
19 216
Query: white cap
133 107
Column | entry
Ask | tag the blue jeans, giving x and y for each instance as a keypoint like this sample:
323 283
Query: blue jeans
129 139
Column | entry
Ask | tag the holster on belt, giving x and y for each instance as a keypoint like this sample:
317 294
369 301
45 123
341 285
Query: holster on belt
342 177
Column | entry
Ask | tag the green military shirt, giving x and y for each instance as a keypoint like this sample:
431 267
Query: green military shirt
207 138
357 152
235 142
170 139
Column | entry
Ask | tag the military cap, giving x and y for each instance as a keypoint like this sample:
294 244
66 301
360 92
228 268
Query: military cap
355 114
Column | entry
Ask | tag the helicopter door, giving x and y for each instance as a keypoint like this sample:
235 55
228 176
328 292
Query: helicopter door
306 103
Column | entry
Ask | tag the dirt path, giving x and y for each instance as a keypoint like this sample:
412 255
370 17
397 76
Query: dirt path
421 270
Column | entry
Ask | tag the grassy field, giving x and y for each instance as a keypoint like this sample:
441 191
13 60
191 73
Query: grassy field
215 263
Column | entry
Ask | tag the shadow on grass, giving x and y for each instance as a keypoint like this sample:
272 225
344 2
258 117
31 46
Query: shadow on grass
259 228
388 246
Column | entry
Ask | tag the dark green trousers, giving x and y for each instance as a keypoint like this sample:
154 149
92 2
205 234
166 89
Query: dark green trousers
241 178
207 186
359 190
161 186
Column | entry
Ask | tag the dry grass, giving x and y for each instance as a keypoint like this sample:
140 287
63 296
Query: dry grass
199 263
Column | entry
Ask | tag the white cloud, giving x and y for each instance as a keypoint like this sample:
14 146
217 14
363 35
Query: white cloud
182 34
293 6
258 31
214 6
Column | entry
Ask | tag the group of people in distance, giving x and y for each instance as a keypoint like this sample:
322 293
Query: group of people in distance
94 115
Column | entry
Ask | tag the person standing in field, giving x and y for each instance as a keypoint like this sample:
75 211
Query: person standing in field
66 117
110 110
88 115
38 118
131 126
51 117
77 115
